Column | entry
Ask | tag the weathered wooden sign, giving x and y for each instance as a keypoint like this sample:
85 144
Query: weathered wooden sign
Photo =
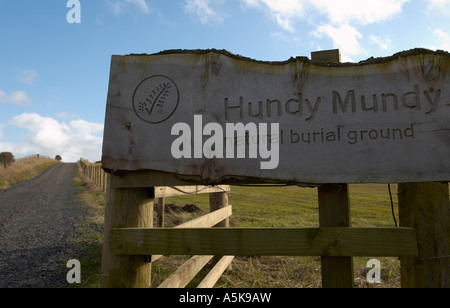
220 117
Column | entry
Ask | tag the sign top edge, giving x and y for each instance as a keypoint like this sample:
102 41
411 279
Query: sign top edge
371 60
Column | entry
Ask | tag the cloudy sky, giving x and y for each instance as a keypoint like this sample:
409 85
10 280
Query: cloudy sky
54 74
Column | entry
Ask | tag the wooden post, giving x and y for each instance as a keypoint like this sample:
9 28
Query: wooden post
100 178
425 207
161 212
97 175
218 201
334 211
126 208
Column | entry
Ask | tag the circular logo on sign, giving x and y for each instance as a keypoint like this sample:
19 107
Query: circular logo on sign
156 99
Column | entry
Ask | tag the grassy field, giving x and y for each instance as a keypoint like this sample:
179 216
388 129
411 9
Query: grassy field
23 170
255 207
283 207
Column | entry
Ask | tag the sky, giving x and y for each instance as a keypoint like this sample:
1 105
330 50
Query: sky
54 67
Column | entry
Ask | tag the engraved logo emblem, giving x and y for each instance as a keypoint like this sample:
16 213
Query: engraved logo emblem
156 99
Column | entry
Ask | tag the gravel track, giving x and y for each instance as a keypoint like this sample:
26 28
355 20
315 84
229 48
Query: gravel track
38 219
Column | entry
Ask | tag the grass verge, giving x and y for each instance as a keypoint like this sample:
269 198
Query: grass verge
90 229
23 170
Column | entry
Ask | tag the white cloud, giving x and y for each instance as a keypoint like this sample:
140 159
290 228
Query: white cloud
357 11
18 98
443 40
204 11
27 76
439 6
118 6
338 20
384 43
286 12
344 37
18 150
65 115
47 136
141 4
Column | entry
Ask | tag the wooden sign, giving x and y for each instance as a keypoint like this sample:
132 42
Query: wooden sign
219 117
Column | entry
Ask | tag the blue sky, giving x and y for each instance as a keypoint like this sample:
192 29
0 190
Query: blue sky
54 75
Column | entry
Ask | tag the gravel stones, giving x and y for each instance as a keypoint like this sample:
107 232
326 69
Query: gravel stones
38 220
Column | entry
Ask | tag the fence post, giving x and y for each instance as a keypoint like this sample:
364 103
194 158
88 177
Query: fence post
97 173
216 202
126 208
334 211
161 212
425 207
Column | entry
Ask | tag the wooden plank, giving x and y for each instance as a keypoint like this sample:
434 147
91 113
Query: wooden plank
209 220
426 208
145 179
206 221
214 275
267 242
378 110
166 191
126 208
334 211
186 272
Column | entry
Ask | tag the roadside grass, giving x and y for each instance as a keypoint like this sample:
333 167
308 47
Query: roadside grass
23 170
90 229
278 207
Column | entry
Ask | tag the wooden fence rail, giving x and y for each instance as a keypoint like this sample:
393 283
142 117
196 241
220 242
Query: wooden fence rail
220 213
95 173
114 266
328 242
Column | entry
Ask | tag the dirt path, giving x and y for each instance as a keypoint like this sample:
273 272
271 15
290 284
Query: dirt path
37 220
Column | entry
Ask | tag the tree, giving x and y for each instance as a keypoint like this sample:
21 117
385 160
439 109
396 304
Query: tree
58 158
6 159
